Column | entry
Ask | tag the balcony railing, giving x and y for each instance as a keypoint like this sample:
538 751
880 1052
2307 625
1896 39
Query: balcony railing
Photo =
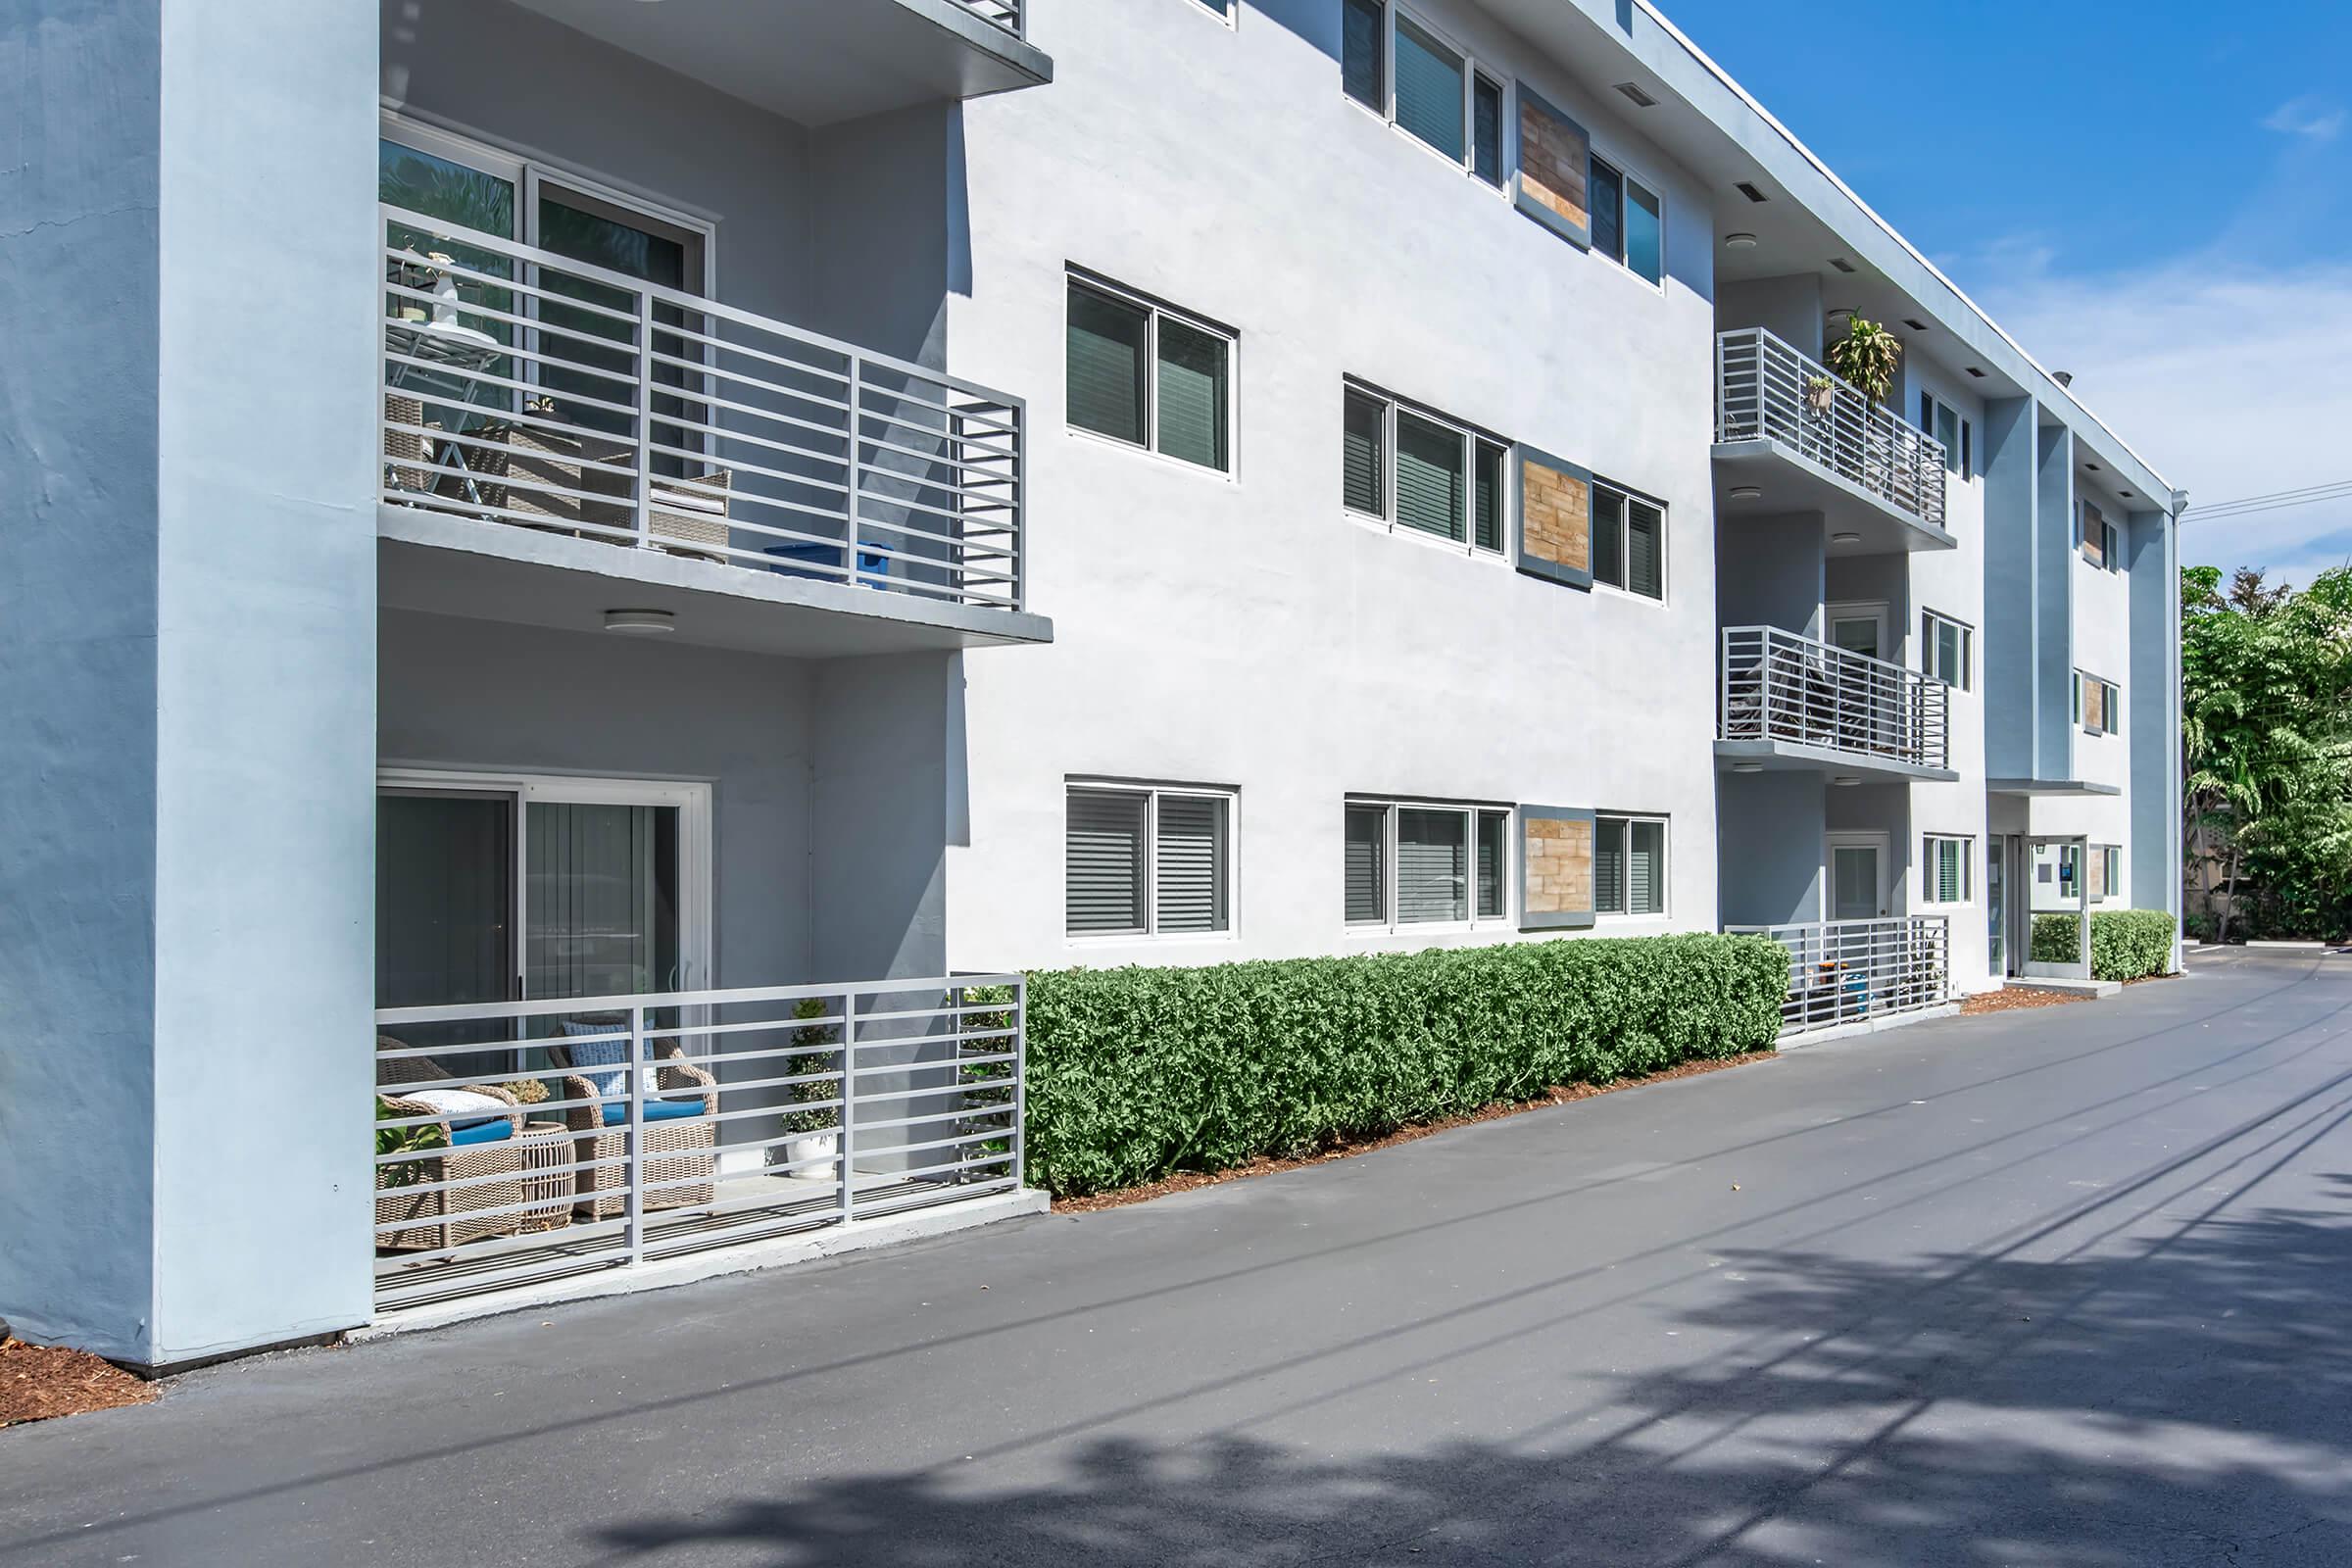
1778 686
1852 971
523 388
1765 390
625 1130
1006 14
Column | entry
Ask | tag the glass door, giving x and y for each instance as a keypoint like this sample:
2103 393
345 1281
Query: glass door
1857 880
1997 905
2058 931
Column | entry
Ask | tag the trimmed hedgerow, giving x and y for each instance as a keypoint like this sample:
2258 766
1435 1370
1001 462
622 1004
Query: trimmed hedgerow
1135 1072
2125 943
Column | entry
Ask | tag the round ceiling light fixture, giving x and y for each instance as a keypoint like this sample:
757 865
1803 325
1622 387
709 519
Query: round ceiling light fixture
1747 492
1844 780
640 623
1846 538
1739 242
1747 768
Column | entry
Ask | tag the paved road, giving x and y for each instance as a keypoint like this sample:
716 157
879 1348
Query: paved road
2059 1287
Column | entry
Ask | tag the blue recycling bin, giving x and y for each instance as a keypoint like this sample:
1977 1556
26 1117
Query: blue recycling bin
823 562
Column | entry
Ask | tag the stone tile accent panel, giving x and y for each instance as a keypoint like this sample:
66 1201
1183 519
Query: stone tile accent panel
1555 516
1559 865
1554 159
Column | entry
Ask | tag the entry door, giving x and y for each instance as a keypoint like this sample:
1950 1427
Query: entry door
1859 629
1996 904
1857 877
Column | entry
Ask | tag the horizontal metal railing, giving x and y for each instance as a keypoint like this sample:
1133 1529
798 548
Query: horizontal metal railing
1006 14
645 1127
1849 971
523 387
1766 390
1780 686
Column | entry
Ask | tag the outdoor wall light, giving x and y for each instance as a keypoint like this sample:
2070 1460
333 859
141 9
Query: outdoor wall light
1747 492
640 623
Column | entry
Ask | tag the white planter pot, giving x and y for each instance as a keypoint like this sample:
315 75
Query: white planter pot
813 1147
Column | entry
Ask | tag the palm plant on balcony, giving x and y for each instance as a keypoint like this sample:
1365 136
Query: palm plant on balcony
1867 357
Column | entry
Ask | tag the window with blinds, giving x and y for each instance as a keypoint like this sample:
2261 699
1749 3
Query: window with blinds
1485 130
1364 53
1413 468
1144 861
1629 221
1629 865
1949 867
1142 374
1421 862
1428 88
1629 541
1402 69
1944 648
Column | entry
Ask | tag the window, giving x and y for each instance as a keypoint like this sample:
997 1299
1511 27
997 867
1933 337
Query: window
1223 8
1629 223
2101 544
2098 703
1420 863
1629 865
1411 469
1944 649
1959 437
1144 375
1144 861
1404 71
2111 870
1629 541
1950 864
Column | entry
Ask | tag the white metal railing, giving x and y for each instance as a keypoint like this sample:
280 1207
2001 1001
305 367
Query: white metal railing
1849 971
525 388
1006 14
1766 390
1778 686
649 1126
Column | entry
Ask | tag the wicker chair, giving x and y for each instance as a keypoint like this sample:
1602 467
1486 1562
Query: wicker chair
688 515
492 1173
682 1151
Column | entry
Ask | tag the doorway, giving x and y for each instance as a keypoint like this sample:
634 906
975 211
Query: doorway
1859 627
1856 871
2057 920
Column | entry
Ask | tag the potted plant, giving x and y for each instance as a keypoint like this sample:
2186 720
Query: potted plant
813 1137
1820 394
1867 357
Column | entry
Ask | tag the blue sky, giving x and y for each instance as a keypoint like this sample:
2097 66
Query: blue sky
2155 196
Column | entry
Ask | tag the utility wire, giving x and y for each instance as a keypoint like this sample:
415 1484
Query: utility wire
2246 506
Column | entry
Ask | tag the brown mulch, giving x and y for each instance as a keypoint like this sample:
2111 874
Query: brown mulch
1184 1181
2011 998
42 1380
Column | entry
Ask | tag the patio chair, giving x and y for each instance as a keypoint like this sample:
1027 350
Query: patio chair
552 474
670 1147
483 1155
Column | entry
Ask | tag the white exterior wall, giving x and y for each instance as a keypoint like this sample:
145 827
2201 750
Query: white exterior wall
2102 646
1243 632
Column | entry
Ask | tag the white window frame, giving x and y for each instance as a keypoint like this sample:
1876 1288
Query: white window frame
1075 278
1928 878
1151 791
2112 701
1959 462
1471 436
1629 496
1506 873
1473 68
1624 821
1228 17
2111 870
1626 181
1927 652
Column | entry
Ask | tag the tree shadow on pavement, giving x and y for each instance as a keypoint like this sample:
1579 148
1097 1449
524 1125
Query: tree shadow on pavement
2114 1404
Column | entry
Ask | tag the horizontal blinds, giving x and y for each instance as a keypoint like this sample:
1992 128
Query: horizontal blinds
1107 392
1486 131
1608 211
1950 876
1494 831
1367 883
1645 547
1645 868
1432 865
1363 460
1608 537
1362 23
1429 478
1428 89
1608 866
1486 496
1191 394
1190 884
1104 863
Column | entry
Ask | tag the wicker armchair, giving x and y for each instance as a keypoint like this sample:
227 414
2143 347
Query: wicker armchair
492 1173
669 1150
687 515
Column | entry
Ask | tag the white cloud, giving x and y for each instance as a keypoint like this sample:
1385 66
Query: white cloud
2231 379
2311 118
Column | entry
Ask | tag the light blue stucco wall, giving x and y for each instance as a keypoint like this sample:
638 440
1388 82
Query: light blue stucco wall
79 298
2010 471
2054 549
187 656
1769 850
2152 544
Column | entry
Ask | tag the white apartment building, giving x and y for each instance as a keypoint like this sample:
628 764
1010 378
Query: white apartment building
615 572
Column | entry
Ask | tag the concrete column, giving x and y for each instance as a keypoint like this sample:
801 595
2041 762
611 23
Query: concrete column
187 660
2007 651
2151 542
2055 546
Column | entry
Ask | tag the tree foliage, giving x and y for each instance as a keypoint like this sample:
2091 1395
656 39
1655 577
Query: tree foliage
2266 673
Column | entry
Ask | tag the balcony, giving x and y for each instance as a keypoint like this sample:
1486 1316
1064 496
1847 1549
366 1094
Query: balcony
1844 974
1791 436
1792 702
541 412
637 1130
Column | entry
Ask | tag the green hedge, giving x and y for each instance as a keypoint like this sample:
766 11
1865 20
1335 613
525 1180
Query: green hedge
1136 1072
2125 943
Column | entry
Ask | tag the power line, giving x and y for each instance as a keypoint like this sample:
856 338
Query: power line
2274 501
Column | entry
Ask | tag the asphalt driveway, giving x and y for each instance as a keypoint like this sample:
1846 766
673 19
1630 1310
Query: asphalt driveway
2063 1287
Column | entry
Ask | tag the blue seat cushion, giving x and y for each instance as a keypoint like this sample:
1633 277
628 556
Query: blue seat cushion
617 1111
480 1132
